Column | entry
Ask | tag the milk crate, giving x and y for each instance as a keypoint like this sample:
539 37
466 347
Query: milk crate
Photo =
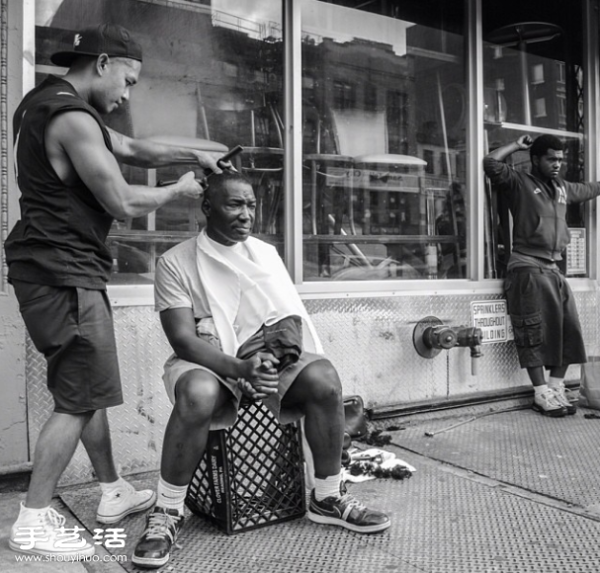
251 474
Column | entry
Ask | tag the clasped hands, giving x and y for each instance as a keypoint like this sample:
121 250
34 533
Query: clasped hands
260 378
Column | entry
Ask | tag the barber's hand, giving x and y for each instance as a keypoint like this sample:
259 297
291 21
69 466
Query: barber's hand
524 142
188 186
208 162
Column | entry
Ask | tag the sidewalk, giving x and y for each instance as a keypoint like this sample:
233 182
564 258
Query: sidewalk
494 491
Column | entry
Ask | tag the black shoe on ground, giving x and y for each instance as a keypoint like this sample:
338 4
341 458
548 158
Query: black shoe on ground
346 511
154 547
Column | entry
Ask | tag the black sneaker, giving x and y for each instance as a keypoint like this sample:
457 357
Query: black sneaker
348 512
154 547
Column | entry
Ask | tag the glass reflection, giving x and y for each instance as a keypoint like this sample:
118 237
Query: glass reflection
212 79
533 77
384 111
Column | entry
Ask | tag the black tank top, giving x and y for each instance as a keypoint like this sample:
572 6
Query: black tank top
61 237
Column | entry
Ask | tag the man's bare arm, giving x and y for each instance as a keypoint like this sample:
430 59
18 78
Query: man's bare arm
76 148
146 153
180 328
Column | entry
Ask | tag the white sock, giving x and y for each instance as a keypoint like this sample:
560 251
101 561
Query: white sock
540 389
556 383
328 487
170 496
114 486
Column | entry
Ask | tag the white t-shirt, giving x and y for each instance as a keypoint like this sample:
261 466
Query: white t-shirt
244 293
177 281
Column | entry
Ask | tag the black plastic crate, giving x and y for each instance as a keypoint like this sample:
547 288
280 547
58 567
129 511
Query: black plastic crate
251 474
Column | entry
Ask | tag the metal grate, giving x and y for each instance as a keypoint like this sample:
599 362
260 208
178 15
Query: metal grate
251 474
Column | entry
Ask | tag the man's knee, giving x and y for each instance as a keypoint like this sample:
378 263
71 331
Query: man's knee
197 396
322 381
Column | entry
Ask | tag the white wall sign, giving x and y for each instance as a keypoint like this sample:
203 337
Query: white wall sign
492 317
576 252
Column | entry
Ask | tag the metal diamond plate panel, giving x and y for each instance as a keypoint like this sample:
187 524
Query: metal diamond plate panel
368 339
589 315
370 342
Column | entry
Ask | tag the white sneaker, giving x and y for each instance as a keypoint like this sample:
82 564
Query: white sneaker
572 395
547 404
44 533
560 393
123 501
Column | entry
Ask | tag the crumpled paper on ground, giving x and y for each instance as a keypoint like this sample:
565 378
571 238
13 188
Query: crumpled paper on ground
380 458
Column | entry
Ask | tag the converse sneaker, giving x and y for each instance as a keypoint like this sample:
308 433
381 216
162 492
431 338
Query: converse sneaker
154 547
348 512
547 404
561 397
43 532
123 501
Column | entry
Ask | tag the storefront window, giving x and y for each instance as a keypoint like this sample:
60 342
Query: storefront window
533 79
384 108
212 79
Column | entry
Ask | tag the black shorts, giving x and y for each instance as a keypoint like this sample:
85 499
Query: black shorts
544 318
73 328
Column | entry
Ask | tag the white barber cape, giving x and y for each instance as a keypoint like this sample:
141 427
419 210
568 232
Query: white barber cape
252 291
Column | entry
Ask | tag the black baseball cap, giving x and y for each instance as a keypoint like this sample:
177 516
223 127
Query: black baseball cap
110 39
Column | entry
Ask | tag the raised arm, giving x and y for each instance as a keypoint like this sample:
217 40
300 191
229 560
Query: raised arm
76 149
501 153
146 153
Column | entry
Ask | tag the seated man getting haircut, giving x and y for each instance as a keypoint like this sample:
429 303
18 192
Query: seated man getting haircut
237 326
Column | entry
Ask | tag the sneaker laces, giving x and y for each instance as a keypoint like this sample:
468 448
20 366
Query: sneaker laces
559 396
551 399
52 517
572 394
161 524
349 503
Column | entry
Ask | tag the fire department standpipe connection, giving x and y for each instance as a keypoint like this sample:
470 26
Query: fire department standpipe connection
431 336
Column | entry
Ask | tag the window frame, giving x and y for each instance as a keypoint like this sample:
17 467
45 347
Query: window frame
475 283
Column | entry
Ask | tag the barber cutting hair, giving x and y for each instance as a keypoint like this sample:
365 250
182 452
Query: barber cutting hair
72 189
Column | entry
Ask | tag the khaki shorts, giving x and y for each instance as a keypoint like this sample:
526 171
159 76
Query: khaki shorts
175 367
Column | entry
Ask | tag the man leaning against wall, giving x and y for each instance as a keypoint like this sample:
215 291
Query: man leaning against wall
542 307
72 189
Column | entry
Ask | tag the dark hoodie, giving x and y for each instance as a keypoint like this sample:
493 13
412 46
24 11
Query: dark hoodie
538 208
